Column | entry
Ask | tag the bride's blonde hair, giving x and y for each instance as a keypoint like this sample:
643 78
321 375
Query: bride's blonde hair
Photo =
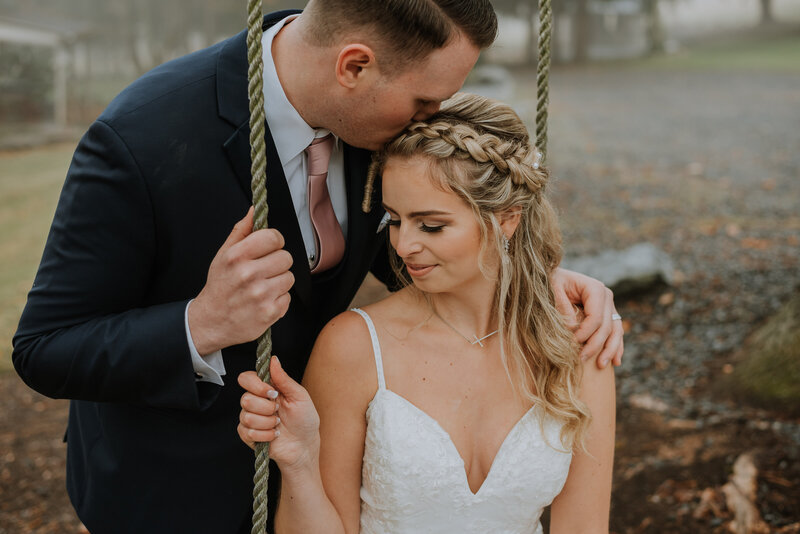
481 150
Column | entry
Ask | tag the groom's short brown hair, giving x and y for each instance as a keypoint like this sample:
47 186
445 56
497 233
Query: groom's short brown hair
408 29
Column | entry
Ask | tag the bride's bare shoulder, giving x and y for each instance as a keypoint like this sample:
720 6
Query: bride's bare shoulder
401 308
345 342
343 353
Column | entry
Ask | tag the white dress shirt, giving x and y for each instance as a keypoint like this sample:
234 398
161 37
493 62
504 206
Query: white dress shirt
291 135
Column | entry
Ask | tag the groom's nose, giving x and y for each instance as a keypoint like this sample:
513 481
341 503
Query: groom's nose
426 110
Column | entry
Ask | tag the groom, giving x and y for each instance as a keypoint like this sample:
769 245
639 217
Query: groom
146 304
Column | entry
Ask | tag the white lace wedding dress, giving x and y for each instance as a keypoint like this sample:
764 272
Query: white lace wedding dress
414 480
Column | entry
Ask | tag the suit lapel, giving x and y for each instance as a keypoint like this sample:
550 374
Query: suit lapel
233 106
232 99
281 214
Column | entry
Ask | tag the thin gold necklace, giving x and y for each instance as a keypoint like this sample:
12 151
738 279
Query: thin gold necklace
475 339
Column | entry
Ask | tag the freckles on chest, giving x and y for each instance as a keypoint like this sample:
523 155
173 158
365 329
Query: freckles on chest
440 381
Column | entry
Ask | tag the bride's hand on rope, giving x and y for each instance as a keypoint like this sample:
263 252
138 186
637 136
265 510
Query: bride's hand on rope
282 414
597 330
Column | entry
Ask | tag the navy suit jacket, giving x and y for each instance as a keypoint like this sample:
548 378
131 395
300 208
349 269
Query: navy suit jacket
155 187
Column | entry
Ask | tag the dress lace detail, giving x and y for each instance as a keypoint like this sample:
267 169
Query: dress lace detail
413 479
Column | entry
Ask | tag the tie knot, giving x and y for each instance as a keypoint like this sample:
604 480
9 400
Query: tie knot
319 154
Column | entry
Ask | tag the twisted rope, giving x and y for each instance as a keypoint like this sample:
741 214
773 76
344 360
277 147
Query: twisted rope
258 170
543 75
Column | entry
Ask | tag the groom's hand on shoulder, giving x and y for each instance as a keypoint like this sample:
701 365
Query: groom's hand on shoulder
594 325
246 291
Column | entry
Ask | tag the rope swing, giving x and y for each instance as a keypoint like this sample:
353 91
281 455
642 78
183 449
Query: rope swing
543 75
258 169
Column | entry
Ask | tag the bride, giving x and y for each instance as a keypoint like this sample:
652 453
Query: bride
459 403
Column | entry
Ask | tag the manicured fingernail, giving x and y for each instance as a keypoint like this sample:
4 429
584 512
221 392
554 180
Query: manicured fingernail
277 420
277 433
272 394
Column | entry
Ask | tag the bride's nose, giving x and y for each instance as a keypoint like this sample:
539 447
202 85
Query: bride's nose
406 241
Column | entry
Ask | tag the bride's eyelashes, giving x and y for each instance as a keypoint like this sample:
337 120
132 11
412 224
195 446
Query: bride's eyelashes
430 229
422 226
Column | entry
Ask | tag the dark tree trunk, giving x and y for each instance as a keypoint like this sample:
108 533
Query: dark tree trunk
766 12
655 33
582 31
531 10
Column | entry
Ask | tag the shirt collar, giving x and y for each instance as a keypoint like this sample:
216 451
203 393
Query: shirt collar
290 132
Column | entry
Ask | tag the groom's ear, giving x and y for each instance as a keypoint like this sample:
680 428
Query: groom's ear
355 65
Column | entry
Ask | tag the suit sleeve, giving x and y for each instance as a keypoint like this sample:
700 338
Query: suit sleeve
87 331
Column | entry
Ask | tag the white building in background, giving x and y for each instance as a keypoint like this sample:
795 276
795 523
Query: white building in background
60 39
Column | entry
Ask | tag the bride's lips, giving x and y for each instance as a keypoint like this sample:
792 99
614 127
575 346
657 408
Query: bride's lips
417 270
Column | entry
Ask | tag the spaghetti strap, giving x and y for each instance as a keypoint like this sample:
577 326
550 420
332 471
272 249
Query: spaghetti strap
376 347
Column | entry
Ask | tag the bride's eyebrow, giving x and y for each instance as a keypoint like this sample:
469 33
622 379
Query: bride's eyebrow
427 213
414 214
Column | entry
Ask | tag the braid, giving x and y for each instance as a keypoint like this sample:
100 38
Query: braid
510 156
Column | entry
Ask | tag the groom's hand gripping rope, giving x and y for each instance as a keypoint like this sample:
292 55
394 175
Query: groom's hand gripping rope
246 291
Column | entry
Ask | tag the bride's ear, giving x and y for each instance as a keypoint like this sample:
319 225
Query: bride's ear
509 220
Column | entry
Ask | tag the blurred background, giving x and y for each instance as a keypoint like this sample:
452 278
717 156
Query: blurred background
674 142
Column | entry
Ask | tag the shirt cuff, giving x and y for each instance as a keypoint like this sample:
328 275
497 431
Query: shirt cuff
209 368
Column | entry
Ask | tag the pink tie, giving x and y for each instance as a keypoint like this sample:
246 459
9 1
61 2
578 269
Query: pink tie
327 232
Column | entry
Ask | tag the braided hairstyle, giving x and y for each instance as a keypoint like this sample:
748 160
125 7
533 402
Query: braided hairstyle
479 149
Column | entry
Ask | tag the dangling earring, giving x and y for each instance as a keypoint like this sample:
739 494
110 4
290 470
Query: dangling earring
506 244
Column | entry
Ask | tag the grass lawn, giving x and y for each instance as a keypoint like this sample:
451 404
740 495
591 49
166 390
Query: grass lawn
30 182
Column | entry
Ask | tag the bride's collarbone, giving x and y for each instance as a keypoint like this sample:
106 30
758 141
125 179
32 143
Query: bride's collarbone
445 364
467 400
